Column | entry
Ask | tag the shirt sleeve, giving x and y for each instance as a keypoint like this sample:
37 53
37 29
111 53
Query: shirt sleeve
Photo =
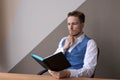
90 61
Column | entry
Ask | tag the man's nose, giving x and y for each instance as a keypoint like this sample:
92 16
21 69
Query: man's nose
71 26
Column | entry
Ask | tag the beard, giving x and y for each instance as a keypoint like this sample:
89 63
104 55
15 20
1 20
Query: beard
75 33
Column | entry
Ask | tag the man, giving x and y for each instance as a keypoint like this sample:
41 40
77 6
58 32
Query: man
80 50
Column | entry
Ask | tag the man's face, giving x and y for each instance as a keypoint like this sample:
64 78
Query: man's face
74 25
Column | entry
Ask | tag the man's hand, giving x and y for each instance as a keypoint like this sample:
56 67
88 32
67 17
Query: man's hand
60 74
69 40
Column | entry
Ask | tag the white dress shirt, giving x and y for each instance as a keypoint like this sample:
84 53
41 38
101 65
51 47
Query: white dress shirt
90 60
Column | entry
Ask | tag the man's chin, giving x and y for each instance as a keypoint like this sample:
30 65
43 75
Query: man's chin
73 34
76 34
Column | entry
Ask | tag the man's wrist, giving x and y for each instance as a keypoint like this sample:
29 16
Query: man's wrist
65 74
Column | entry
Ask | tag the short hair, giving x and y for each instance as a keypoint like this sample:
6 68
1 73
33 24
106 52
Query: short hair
78 14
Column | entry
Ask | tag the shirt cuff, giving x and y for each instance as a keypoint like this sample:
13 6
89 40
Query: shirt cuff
73 73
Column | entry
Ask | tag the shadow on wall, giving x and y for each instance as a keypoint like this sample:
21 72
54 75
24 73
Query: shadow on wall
102 24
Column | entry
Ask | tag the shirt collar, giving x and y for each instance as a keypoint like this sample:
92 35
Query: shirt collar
81 37
78 40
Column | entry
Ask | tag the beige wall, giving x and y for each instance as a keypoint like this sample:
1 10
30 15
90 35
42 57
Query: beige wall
8 10
7 14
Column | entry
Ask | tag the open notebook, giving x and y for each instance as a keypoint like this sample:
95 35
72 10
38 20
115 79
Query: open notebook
55 62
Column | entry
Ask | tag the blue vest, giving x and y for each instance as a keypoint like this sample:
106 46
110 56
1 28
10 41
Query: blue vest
76 56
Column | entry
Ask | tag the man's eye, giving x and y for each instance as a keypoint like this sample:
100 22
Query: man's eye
68 23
